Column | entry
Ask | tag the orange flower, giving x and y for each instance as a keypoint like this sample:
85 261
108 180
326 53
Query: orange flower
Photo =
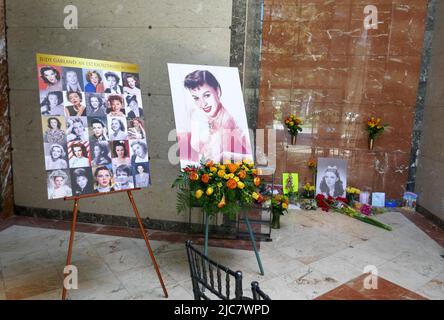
231 184
311 163
221 203
193 176
257 181
242 174
209 164
205 178
232 167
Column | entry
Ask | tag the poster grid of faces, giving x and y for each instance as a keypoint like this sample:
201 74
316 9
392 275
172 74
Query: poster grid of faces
93 127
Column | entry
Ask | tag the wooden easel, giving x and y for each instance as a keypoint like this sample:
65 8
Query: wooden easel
142 230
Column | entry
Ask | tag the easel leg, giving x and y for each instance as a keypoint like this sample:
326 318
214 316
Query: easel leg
147 242
71 240
206 235
250 231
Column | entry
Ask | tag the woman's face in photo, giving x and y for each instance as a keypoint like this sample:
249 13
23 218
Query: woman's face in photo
74 98
56 152
116 105
58 182
97 129
330 179
51 76
78 152
94 101
207 99
133 105
112 81
120 151
103 178
138 150
82 181
71 77
115 125
53 123
94 78
53 100
131 82
96 151
140 169
78 128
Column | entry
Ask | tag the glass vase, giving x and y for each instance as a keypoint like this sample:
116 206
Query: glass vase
276 221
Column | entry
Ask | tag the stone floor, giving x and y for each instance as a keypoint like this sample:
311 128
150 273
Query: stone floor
313 255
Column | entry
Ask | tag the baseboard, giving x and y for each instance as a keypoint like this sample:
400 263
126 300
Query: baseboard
224 230
430 216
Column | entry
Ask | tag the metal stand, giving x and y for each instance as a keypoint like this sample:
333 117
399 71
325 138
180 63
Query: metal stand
142 230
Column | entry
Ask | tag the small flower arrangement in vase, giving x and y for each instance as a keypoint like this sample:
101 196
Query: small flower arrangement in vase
293 124
374 128
279 205
312 166
309 191
352 193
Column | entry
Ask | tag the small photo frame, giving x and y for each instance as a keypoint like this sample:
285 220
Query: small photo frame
290 183
378 199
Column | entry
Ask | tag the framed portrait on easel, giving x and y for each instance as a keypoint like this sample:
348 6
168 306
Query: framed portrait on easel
331 177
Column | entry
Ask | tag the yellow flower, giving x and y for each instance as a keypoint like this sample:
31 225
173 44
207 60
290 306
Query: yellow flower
226 177
219 184
255 195
209 191
221 167
213 169
240 185
312 188
236 179
284 205
231 175
221 173
291 123
199 194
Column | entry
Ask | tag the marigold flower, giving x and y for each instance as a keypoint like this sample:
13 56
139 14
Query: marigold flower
242 174
209 191
213 169
232 167
193 176
221 173
257 181
221 203
198 194
284 205
205 178
231 184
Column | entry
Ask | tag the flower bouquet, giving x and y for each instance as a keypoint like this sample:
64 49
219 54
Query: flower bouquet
352 193
374 129
279 205
341 205
293 125
225 188
309 191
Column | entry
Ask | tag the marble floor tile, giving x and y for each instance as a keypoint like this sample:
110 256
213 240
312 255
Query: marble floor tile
336 268
104 288
127 259
434 289
312 283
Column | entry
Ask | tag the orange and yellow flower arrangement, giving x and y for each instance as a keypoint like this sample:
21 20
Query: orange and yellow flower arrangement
293 124
215 187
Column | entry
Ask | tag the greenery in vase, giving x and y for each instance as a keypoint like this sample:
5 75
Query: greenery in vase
293 124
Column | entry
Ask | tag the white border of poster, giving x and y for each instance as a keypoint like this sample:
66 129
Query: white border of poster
210 116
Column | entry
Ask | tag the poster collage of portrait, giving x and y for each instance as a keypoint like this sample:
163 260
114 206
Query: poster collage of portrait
94 132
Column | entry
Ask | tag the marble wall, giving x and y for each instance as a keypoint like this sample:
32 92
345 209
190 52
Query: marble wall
6 198
319 62
430 173
150 33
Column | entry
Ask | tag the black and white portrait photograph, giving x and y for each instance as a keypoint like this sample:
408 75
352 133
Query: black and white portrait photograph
113 82
95 104
76 129
51 103
59 184
72 79
82 181
55 156
331 177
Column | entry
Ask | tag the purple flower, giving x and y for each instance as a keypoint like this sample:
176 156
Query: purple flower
366 209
